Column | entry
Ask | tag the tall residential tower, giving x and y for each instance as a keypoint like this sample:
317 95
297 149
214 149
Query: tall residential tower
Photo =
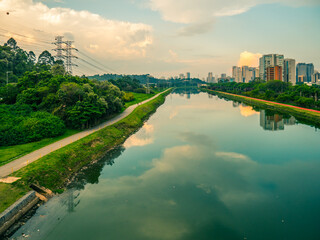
289 70
270 60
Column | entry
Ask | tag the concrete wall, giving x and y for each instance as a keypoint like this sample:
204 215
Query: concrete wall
16 210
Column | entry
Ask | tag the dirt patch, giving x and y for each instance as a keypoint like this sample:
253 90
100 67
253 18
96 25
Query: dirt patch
9 179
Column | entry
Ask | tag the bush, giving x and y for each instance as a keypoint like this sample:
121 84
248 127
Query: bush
20 125
128 97
140 90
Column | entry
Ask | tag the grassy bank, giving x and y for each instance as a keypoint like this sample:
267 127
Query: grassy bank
138 97
53 170
10 153
302 115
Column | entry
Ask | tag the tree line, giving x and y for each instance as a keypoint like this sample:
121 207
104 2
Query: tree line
300 95
41 100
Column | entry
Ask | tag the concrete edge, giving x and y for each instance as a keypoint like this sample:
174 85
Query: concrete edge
17 210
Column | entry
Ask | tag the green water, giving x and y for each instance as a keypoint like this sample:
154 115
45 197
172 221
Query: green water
200 168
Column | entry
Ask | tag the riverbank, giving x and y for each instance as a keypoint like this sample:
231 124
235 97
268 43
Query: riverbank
55 169
11 153
304 115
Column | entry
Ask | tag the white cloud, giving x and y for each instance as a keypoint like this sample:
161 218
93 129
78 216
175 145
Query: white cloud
102 37
143 138
202 12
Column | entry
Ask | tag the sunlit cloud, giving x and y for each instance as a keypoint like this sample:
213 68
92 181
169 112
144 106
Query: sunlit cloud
249 59
247 111
111 39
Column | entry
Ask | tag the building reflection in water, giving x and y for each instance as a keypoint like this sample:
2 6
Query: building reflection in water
274 121
187 92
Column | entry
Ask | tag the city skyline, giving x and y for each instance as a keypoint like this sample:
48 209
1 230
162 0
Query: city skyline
166 38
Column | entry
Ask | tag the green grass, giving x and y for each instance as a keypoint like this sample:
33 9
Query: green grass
10 153
9 194
53 170
138 97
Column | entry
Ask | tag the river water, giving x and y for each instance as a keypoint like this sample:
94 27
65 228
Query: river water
200 168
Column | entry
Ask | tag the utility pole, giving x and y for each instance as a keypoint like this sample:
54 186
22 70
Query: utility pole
59 48
8 76
69 56
148 88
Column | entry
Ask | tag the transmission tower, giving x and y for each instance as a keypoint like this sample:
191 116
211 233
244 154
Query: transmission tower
68 56
59 48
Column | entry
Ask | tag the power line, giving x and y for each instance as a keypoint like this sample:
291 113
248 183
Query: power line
105 67
21 35
95 66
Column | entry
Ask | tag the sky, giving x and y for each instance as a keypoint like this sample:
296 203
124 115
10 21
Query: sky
166 37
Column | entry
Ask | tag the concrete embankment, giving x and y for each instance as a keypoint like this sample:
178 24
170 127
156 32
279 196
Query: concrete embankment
17 210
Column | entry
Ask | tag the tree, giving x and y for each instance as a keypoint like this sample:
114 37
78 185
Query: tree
45 58
58 69
32 57
12 43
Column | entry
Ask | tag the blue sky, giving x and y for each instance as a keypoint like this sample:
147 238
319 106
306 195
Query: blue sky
168 37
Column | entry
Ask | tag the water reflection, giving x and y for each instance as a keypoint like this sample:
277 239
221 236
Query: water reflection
187 91
247 111
145 138
203 177
271 121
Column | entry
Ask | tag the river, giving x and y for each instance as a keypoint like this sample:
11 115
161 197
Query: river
200 168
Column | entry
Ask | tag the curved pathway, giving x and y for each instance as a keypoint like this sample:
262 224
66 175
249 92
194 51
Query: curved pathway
33 156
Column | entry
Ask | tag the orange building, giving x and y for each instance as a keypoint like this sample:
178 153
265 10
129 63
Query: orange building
274 73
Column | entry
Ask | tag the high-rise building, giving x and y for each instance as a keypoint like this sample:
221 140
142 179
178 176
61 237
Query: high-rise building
188 75
274 73
289 71
223 75
256 73
210 77
270 60
237 74
316 78
253 73
305 70
246 75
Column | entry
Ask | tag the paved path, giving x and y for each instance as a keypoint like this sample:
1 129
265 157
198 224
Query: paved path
33 156
281 104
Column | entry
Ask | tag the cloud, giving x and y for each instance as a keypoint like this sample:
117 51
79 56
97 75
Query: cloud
91 32
247 111
198 12
249 59
143 138
195 29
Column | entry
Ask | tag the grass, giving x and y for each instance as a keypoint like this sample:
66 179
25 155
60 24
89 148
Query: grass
303 116
10 153
9 194
138 97
53 170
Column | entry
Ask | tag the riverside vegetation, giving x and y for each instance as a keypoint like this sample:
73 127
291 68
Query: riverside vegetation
55 169
41 101
299 95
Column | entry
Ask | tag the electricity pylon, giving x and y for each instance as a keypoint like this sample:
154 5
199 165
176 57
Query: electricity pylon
68 56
